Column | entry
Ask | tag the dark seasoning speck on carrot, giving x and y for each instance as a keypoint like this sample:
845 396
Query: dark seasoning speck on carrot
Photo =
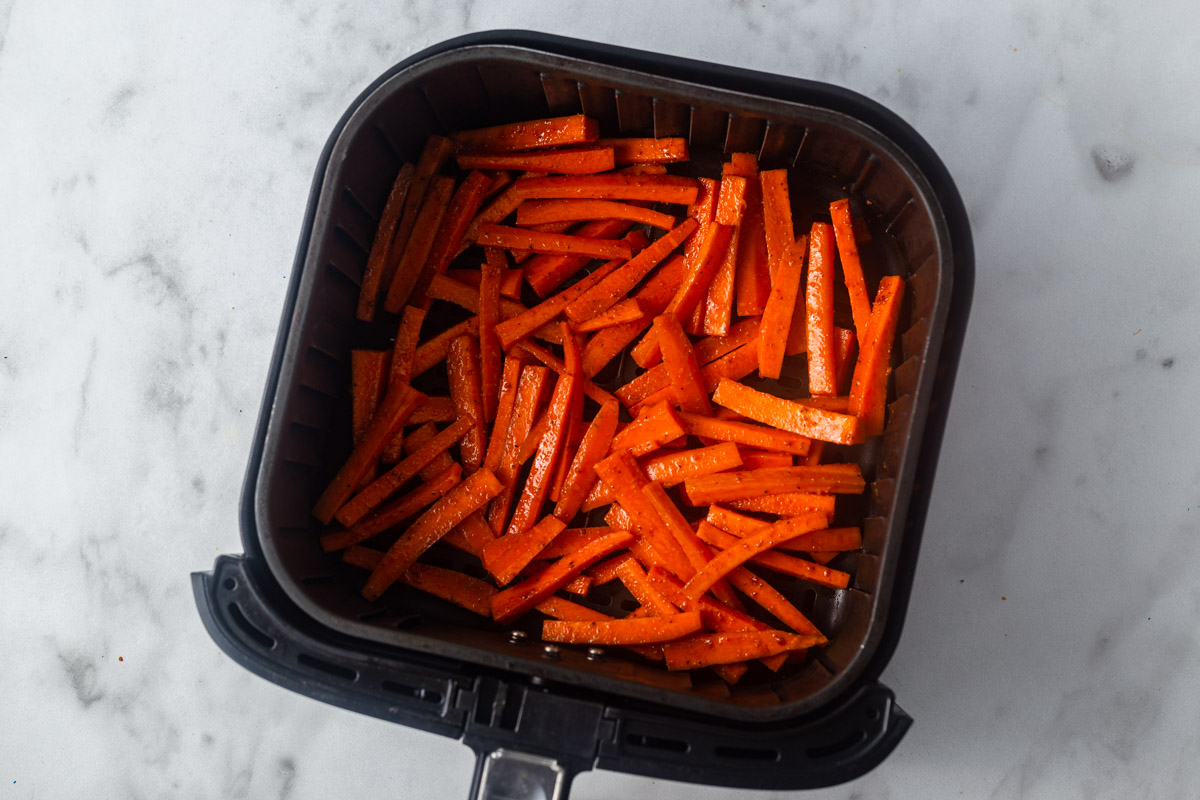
568 250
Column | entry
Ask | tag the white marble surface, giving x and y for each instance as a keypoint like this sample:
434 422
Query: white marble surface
154 164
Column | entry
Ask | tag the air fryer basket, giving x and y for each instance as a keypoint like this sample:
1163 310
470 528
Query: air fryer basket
837 143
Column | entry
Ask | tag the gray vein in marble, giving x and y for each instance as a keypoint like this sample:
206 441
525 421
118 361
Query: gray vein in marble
84 389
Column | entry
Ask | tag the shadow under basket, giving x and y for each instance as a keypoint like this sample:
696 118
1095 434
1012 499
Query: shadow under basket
537 715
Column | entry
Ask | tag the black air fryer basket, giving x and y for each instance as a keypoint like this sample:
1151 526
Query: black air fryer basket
292 614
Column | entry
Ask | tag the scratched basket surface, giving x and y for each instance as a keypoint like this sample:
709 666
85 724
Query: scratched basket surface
831 155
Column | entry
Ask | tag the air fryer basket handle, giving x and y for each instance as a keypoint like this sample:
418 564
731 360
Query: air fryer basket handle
505 774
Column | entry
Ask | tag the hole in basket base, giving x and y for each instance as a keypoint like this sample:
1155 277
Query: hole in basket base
249 628
336 670
747 753
852 739
873 714
230 584
415 692
657 743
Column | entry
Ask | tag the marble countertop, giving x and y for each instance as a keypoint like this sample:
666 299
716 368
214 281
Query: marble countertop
155 161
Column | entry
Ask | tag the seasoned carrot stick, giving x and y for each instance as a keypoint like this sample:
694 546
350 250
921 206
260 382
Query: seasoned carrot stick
625 311
395 512
815 423
411 264
667 150
377 261
433 156
671 469
819 312
368 379
655 188
617 285
729 486
778 562
521 238
553 132
606 571
573 161
758 459
462 367
435 523
743 433
581 476
835 540
398 404
753 276
558 608
545 272
475 532
534 440
497 183
509 378
731 202
627 631
489 344
773 341
539 212
698 554
655 427
571 540
505 557
741 552
788 504
442 288
709 649
653 297
464 205
653 604
573 428
718 307
708 350
447 584
777 218
530 391
384 486
733 522
500 208
868 393
433 352
845 343
553 362
683 368
407 337
852 273
625 478
516 600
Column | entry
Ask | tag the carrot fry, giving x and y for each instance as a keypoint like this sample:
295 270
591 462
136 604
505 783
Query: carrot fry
667 150
653 297
742 551
433 352
815 423
671 469
617 285
504 205
398 404
655 427
574 161
377 261
534 440
573 427
545 272
683 368
367 369
788 565
606 571
718 308
453 231
553 362
868 392
788 504
416 253
537 485
709 649
635 580
708 350
539 212
581 476
418 439
435 523
476 533
852 273
553 132
571 540
520 238
396 511
447 584
561 609
625 311
745 434
505 557
405 347
759 459
835 540
497 183
626 631
509 378
442 288
655 188
625 478
489 344
777 219
753 276
358 555
731 202
384 486
530 391
729 486
819 311
516 600
462 367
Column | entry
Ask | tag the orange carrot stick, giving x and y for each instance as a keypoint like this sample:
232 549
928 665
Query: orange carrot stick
819 312
442 288
758 459
558 608
643 591
516 600
581 476
617 285
497 183
500 208
545 272
788 565
835 540
844 346
852 273
671 469
435 523
741 552
433 352
462 367
731 202
653 297
476 533
505 557
398 404
571 540
625 311
708 350
655 188
489 344
815 423
534 440
777 218
753 276
368 379
509 378
447 584
625 478
539 212
384 486
553 362
718 308
627 631
787 505
655 427
411 264
667 150
407 337
396 511
573 161
729 486
520 238
553 132
377 261
606 571
530 391
579 585
743 433
433 156
868 392
709 649
453 230
510 283
683 368
573 427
